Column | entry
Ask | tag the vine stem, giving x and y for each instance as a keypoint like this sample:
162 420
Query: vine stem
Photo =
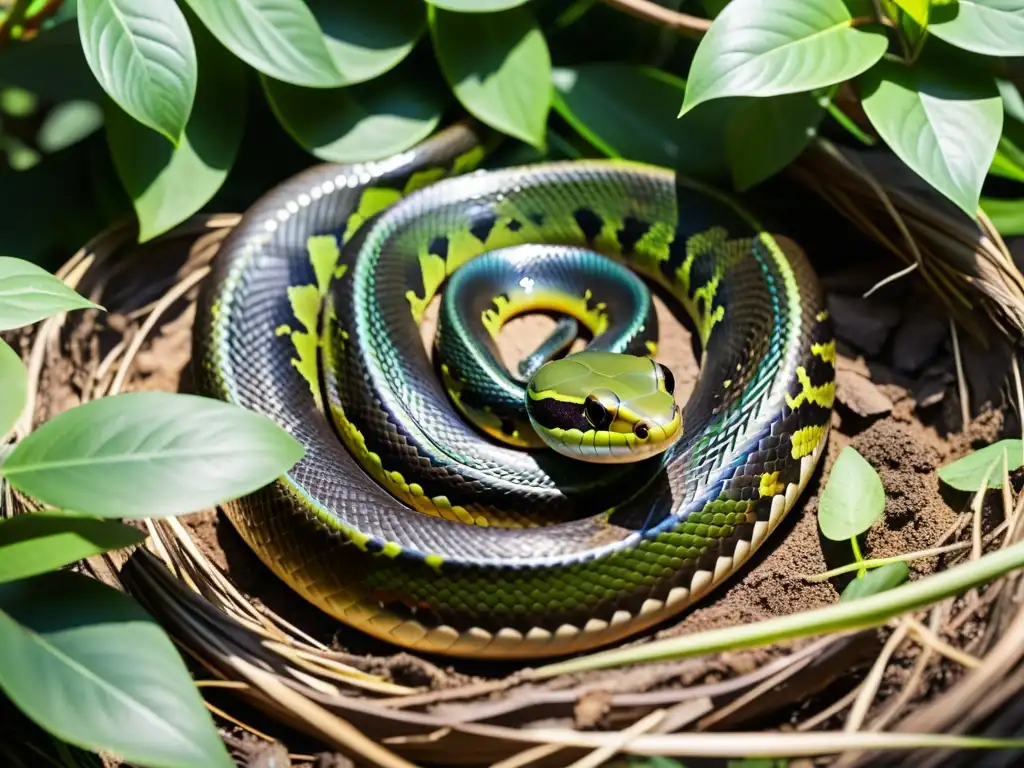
684 24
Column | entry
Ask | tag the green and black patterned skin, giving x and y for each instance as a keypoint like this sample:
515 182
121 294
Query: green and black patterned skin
418 529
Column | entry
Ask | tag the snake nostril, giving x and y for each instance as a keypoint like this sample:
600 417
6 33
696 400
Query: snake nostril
641 430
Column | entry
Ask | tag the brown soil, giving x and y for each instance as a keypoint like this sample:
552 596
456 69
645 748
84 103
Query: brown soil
902 415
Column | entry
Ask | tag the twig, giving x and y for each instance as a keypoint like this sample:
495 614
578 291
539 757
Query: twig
940 646
965 409
684 24
908 557
601 755
835 708
870 685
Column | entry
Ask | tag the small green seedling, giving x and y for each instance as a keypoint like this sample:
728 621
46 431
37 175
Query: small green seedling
984 468
853 500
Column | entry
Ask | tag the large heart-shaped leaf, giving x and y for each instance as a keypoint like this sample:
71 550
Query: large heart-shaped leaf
142 53
627 111
13 388
499 67
362 122
991 27
29 294
167 185
86 663
766 135
367 38
35 543
150 454
756 48
944 122
279 38
853 498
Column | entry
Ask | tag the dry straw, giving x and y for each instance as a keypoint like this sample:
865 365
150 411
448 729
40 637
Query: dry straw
241 648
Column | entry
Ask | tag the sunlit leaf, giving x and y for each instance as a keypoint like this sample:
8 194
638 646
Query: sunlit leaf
68 123
915 9
35 543
943 122
367 38
969 473
142 53
1007 215
787 46
149 454
499 67
362 122
766 135
853 498
876 580
991 27
13 388
477 6
29 294
279 38
169 184
85 662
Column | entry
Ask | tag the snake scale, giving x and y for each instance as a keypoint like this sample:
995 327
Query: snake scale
406 520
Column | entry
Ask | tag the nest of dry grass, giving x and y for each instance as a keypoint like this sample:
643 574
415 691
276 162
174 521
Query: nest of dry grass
960 661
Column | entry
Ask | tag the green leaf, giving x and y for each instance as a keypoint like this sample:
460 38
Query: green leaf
968 473
367 38
35 543
626 112
477 6
766 135
150 454
86 663
142 53
915 9
1008 161
169 184
279 38
14 386
499 67
853 498
1007 215
990 27
363 122
876 580
767 49
68 123
943 122
29 294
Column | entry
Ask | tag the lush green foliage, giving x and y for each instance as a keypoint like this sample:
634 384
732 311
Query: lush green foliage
985 467
81 659
170 83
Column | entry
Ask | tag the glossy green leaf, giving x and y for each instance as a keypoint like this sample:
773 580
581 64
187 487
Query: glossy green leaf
279 38
991 27
29 294
499 67
367 38
943 122
787 46
627 112
853 498
477 6
150 454
169 184
876 580
1006 215
13 388
363 122
68 123
969 473
39 542
142 53
915 9
85 662
1008 161
1013 103
766 135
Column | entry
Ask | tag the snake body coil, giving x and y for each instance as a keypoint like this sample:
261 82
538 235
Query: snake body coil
417 529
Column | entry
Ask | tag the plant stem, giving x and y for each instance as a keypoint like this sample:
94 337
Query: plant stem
859 614
879 562
858 557
684 24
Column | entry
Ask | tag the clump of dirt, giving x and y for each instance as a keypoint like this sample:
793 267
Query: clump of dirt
897 405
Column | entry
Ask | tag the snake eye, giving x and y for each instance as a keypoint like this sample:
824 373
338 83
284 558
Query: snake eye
640 430
597 415
668 378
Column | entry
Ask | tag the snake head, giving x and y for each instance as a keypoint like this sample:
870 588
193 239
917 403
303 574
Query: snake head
604 407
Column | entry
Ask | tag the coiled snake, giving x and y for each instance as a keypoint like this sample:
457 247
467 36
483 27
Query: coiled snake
426 511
